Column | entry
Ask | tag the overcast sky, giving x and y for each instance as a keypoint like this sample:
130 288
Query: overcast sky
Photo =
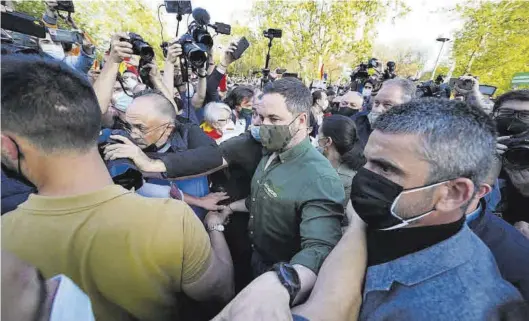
419 28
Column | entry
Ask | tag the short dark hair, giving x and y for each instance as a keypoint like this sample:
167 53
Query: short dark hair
237 95
297 96
342 131
520 95
316 96
48 103
458 140
164 108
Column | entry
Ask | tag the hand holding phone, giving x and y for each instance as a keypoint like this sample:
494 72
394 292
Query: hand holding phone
242 45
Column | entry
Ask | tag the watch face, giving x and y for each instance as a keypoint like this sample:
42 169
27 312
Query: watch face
220 228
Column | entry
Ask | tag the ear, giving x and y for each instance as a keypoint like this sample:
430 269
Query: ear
483 190
9 148
455 194
329 142
303 118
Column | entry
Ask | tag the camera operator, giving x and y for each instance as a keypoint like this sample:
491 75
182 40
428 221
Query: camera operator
468 87
86 57
172 79
367 91
511 112
103 86
132 255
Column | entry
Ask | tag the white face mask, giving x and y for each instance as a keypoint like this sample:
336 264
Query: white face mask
366 92
372 116
53 50
130 83
122 101
70 302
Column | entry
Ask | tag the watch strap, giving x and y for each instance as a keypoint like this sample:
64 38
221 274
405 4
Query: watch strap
288 276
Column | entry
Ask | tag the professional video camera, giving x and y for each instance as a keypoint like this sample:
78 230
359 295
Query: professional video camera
23 32
361 72
432 88
517 155
123 171
197 41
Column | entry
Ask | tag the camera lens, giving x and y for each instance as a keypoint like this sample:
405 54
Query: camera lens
517 158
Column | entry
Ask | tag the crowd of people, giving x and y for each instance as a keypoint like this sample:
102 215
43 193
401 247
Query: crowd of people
130 194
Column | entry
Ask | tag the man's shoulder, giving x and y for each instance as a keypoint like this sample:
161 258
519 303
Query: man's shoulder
317 166
470 290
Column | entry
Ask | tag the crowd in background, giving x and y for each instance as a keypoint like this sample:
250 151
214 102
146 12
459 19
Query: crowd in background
131 194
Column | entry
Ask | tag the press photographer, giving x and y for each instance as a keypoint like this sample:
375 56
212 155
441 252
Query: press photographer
511 112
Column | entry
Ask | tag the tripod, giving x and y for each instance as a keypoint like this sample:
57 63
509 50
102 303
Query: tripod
266 70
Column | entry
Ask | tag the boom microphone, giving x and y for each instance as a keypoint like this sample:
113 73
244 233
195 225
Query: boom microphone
201 16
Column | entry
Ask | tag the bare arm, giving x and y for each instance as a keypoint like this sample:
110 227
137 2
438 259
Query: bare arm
174 51
217 281
104 84
337 294
200 96
307 278
238 206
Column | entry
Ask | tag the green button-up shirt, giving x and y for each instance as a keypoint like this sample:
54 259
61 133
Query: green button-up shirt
296 207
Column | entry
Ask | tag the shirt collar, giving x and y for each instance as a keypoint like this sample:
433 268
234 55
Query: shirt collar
165 148
474 215
423 265
295 151
46 204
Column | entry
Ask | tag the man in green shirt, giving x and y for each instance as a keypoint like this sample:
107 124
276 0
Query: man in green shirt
295 205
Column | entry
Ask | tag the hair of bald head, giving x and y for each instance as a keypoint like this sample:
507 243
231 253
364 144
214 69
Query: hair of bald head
161 105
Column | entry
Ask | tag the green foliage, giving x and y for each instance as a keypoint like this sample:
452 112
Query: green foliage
494 42
313 29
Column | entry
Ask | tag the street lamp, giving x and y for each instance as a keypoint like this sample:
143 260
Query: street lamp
443 40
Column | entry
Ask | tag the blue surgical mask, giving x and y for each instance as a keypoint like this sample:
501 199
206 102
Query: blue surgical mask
320 149
70 302
122 102
254 130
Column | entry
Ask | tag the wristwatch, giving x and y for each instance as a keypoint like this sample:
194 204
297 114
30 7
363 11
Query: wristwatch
218 228
288 276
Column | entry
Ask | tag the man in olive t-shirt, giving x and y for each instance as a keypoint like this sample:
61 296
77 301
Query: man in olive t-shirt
130 254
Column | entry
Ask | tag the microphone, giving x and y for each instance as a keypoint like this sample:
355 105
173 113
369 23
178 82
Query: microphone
201 16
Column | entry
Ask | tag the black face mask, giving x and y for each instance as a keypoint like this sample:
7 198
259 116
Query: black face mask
17 173
245 113
347 112
373 196
508 126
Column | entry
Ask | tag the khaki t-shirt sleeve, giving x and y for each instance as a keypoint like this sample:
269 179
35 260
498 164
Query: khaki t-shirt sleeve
197 248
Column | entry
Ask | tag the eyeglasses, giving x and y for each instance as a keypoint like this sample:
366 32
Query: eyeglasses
348 104
506 112
131 128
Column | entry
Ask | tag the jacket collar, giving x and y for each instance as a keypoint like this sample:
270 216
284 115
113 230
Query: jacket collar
478 224
423 265
295 151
